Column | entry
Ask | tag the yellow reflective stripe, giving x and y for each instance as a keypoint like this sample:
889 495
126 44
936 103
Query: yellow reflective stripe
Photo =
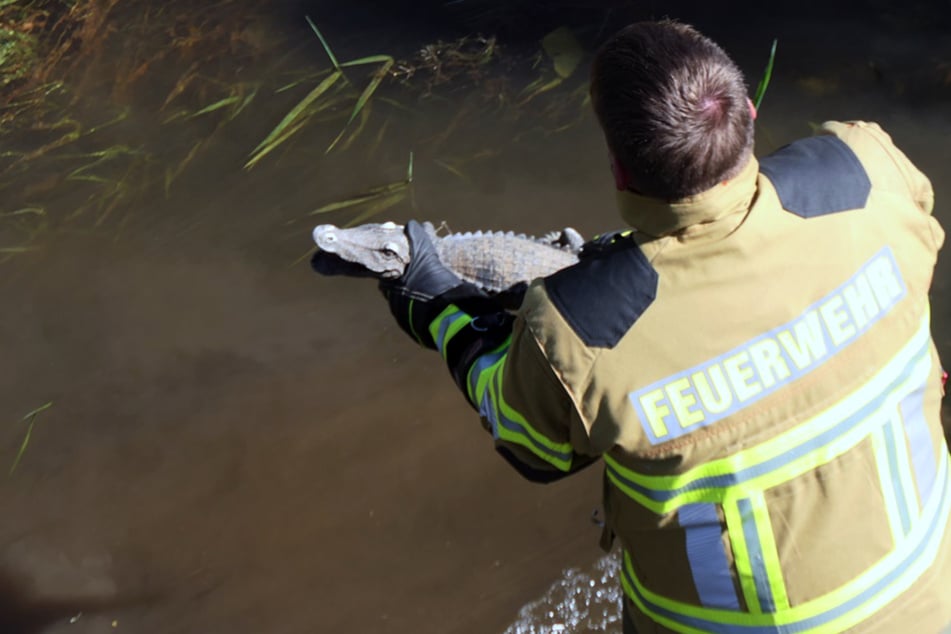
658 618
887 488
639 497
912 572
717 495
741 557
482 384
885 580
751 460
514 428
774 569
799 434
476 389
450 321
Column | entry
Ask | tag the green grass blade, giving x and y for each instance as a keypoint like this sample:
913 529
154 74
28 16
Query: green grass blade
175 116
30 418
123 114
218 105
330 53
300 80
364 117
36 211
244 103
278 135
350 202
364 98
379 206
310 252
379 137
301 106
378 77
372 194
371 59
288 133
389 187
767 74
89 178
172 173
452 169
537 87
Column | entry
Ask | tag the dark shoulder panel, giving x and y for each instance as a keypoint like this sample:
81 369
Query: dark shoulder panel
605 293
817 176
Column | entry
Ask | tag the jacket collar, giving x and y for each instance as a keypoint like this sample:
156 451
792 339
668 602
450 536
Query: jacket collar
656 217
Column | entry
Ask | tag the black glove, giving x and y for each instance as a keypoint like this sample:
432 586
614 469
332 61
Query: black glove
427 287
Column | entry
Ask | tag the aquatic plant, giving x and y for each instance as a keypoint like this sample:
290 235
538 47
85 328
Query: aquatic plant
26 223
312 104
190 56
46 131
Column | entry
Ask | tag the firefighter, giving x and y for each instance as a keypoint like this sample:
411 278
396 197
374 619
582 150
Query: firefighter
751 359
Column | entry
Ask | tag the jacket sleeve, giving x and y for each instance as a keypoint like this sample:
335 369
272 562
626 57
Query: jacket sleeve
499 366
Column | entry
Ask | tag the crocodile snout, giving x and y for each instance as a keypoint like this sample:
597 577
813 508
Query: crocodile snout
325 236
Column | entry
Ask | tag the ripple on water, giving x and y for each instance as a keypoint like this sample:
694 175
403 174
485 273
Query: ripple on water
580 601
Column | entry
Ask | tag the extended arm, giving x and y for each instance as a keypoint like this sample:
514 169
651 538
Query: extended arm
494 361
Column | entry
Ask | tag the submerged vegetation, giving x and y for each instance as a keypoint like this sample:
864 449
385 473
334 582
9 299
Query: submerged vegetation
170 80
108 104
175 80
56 53
29 419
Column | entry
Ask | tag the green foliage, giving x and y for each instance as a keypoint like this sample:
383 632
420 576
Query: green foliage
313 104
17 56
377 199
25 222
293 120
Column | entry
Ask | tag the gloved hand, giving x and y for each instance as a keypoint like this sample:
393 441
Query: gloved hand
427 287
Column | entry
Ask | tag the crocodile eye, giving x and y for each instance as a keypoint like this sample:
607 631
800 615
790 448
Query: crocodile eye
390 250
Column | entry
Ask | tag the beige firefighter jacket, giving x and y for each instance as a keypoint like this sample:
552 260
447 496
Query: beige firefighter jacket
754 364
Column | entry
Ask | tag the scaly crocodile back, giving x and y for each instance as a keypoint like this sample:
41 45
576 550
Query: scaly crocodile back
497 261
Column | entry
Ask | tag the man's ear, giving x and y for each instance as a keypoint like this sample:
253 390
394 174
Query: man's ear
752 108
620 174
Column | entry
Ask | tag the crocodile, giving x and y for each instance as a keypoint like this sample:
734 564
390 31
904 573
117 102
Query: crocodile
500 263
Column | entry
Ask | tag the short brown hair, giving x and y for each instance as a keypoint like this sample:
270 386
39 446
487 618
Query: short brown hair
673 107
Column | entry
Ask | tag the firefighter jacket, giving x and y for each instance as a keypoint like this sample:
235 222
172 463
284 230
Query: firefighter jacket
755 366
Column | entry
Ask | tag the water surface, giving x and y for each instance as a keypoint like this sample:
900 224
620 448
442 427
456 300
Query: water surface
237 445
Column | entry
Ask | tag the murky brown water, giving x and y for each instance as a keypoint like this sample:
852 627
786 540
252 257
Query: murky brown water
237 445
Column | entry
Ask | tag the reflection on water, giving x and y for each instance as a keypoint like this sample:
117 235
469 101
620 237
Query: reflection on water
275 453
580 601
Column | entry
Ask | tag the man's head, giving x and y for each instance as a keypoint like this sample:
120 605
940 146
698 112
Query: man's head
674 109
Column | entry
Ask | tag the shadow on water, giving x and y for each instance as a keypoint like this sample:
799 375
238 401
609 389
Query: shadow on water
23 610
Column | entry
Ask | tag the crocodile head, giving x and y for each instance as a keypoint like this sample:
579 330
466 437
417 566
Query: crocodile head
370 250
